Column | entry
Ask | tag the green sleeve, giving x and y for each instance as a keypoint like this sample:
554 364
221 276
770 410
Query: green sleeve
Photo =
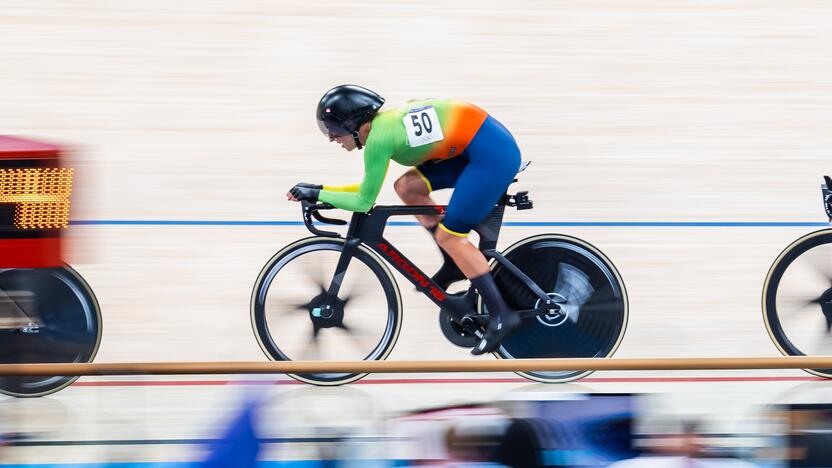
376 162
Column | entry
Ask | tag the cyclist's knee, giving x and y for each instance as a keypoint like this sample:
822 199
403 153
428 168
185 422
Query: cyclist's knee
410 185
448 240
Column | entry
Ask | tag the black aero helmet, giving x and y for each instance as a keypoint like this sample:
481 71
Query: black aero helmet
343 109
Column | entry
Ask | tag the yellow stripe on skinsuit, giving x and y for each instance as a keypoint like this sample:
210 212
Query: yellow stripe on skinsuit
425 179
454 233
342 188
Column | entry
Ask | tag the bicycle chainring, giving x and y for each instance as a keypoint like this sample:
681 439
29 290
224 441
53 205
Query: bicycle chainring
455 333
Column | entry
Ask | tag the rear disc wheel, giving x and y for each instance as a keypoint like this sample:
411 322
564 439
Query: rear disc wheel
593 303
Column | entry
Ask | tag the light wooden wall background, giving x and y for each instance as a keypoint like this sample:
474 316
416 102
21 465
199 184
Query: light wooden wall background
631 111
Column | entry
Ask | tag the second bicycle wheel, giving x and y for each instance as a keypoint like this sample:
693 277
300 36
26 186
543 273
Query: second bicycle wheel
47 315
290 323
797 298
594 307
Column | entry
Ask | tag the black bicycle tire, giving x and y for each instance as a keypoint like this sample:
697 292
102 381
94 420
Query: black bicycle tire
771 286
363 254
577 375
60 382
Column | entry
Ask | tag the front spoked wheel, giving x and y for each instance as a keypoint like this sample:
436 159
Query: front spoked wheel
797 298
291 323
594 309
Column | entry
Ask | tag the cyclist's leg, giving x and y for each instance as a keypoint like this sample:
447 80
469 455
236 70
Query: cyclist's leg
414 188
479 188
494 160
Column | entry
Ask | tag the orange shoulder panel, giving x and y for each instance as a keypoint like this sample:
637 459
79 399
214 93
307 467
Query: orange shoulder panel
464 122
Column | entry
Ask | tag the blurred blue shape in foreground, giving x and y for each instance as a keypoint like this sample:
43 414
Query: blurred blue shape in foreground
238 446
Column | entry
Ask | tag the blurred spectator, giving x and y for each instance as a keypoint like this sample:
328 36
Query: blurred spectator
471 446
684 449
238 447
523 443
809 435
426 438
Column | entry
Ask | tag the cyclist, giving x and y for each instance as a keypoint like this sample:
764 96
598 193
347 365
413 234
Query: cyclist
448 144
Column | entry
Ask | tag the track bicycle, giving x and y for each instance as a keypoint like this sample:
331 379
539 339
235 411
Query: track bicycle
48 313
333 297
797 293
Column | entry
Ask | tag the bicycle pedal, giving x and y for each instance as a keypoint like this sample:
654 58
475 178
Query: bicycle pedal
473 320
467 321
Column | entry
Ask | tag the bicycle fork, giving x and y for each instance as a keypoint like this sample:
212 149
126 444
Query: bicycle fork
326 309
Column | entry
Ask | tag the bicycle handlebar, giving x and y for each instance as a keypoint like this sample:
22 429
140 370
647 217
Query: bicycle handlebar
310 210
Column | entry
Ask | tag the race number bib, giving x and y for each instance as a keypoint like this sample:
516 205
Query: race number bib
422 126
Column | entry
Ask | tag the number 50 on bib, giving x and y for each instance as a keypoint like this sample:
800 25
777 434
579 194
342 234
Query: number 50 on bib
422 126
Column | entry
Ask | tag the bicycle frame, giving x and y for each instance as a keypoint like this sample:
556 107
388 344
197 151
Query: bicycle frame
368 228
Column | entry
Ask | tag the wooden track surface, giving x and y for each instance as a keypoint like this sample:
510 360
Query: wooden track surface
635 110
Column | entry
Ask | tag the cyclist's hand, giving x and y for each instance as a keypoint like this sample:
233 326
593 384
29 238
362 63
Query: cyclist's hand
304 191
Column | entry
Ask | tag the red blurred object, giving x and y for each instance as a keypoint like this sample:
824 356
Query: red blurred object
21 148
26 248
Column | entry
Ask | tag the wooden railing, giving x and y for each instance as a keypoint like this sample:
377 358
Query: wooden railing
473 365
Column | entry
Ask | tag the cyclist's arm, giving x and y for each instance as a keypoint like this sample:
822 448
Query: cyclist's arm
375 169
342 188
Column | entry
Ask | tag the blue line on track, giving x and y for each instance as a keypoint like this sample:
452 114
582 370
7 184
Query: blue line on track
139 222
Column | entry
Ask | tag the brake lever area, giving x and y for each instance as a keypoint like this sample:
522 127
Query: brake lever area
324 219
310 210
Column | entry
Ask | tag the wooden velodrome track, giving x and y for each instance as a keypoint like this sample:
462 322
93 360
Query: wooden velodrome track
706 114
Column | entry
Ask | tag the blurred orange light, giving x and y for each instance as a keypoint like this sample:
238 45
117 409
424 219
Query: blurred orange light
41 196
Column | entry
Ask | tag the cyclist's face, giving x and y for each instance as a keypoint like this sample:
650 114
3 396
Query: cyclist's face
347 142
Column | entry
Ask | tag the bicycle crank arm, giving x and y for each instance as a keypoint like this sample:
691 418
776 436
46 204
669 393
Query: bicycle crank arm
532 313
473 320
